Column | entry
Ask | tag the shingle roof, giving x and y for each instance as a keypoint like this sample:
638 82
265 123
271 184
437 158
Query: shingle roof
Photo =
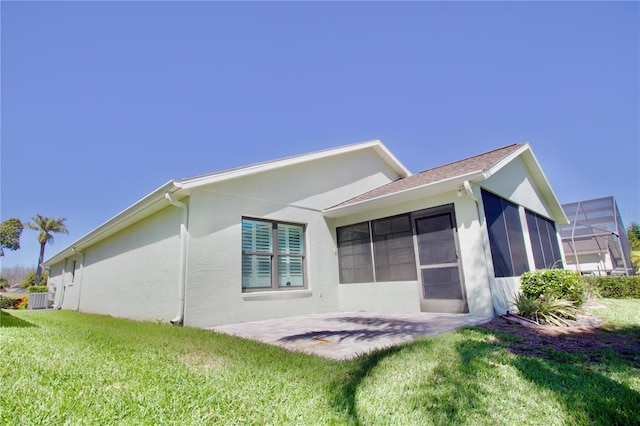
477 163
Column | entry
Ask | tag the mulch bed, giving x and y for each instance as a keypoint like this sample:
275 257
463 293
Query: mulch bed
584 336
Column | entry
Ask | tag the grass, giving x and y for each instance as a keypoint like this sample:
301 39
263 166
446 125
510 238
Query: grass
63 367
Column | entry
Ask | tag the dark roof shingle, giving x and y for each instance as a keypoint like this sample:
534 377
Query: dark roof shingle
477 163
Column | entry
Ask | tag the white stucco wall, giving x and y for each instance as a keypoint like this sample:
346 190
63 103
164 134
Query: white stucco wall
514 183
132 274
295 194
405 296
596 263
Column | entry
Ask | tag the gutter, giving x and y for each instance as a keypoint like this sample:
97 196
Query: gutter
182 261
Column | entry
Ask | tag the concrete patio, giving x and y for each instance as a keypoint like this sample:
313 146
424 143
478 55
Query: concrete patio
344 335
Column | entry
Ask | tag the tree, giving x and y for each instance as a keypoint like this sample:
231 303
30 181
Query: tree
30 280
45 226
16 273
633 234
10 231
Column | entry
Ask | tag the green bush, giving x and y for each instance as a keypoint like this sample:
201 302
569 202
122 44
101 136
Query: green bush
30 279
613 287
8 303
13 303
39 289
554 284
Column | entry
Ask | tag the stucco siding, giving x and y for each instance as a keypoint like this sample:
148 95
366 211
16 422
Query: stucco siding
392 297
297 194
515 183
70 280
404 296
132 274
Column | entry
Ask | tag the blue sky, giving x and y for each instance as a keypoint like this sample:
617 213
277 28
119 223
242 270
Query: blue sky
103 102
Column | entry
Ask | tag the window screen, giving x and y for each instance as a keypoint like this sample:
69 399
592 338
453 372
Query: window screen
505 236
544 241
354 253
393 249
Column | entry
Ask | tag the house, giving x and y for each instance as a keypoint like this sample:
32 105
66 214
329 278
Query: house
595 242
343 229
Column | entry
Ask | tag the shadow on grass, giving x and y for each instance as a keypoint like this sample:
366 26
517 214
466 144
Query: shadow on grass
8 320
588 395
345 398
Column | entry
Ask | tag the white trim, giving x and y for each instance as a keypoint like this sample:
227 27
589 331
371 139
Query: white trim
385 200
155 201
524 152
276 295
146 206
376 145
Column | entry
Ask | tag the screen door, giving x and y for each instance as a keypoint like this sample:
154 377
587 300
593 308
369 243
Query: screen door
441 284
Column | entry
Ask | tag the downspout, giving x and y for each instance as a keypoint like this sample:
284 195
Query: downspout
487 256
62 285
179 319
81 273
469 191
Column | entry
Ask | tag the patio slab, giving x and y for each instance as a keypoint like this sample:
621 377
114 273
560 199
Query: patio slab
345 335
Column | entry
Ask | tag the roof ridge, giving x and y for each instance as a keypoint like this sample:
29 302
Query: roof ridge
368 142
464 167
472 157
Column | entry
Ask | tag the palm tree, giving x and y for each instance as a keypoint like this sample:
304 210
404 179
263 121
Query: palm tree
46 227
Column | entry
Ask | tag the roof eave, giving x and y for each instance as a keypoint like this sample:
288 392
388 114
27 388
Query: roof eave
532 164
125 218
410 194
376 145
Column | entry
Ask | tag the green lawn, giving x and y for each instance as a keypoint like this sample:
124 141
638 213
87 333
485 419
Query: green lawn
63 367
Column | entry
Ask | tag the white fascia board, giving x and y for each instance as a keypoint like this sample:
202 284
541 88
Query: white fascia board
533 166
376 145
410 194
141 209
391 159
491 170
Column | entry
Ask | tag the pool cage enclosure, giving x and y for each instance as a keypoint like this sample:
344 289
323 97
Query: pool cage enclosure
595 240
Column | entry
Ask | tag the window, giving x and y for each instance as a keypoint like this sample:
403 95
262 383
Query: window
544 241
505 236
380 250
395 258
272 255
73 271
354 253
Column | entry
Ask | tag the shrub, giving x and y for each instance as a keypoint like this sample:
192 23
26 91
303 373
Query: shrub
613 287
8 303
554 284
545 309
11 303
39 289
30 279
22 303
